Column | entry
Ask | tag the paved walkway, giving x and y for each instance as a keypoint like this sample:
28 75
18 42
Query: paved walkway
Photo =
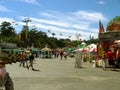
56 74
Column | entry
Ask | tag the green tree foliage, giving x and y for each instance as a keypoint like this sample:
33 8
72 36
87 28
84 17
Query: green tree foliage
7 30
36 38
53 34
91 40
14 40
8 34
61 43
115 19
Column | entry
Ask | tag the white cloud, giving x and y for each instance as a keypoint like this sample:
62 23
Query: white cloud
90 16
48 15
4 9
30 1
68 23
2 19
52 22
101 2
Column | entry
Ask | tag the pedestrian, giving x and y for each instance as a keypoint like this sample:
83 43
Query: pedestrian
31 58
65 55
110 56
22 59
6 82
104 60
61 55
26 60
57 54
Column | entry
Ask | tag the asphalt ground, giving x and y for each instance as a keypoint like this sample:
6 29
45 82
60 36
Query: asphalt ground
56 74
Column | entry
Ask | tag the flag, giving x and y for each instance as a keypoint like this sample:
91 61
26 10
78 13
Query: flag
101 28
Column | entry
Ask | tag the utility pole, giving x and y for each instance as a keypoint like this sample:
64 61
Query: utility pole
26 20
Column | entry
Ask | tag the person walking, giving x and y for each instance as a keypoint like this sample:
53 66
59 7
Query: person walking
31 58
22 59
65 55
6 82
61 55
110 55
26 60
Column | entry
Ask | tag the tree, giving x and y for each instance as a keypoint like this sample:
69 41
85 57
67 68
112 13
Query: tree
114 24
53 34
115 19
7 30
61 43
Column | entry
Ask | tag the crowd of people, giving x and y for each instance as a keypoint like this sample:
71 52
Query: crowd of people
26 60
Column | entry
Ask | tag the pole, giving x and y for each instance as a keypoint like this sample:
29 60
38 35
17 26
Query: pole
26 30
26 20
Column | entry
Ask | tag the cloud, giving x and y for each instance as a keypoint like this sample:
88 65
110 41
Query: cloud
2 19
49 22
101 2
4 9
90 16
48 15
69 23
30 1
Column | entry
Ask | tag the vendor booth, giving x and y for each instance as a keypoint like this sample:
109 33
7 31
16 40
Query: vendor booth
109 39
46 52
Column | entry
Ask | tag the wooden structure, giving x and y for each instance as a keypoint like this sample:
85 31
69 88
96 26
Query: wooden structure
108 37
46 52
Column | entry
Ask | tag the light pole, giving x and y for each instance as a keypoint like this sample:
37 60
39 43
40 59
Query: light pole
26 20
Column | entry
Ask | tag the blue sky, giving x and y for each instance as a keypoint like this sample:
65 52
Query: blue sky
66 17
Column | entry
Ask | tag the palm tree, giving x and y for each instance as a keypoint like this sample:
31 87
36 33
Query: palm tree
49 31
53 34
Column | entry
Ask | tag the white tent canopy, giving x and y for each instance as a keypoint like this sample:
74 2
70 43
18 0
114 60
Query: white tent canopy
89 48
92 47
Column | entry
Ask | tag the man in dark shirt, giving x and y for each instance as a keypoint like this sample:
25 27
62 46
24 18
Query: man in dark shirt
31 61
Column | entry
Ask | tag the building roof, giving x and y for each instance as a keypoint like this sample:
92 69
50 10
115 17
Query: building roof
46 48
113 26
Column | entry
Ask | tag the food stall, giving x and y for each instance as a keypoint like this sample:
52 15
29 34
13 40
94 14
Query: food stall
108 39
46 52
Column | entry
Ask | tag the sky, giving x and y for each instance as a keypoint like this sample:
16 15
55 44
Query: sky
73 19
